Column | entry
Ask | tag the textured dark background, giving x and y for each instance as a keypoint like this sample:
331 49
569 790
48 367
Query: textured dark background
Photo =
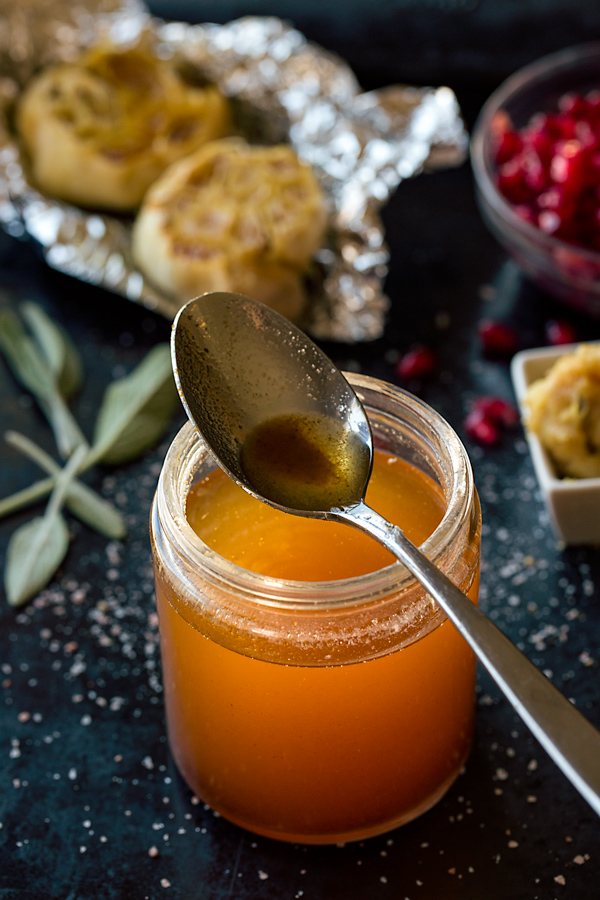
87 787
471 45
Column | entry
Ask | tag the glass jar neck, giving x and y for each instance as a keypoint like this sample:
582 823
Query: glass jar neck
216 595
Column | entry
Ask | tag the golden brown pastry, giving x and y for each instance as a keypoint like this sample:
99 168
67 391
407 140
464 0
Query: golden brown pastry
563 410
233 217
99 131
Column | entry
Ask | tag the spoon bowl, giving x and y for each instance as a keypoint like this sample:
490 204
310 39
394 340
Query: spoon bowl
240 366
284 423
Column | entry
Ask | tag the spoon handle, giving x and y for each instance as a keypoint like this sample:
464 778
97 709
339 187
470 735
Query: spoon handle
571 741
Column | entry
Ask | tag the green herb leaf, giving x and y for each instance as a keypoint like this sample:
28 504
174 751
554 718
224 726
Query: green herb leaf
36 549
24 360
35 552
57 347
136 410
84 502
33 371
95 511
36 491
67 432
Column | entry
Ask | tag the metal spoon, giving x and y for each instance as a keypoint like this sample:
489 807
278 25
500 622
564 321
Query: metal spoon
240 368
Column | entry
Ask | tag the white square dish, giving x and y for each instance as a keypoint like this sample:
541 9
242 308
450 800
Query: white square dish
573 503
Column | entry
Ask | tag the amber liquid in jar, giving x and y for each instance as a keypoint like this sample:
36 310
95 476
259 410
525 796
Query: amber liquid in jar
328 748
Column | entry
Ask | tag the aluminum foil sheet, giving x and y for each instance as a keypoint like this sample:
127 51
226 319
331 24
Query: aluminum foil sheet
361 145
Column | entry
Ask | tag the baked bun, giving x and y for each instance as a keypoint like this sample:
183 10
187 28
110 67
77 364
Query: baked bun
233 217
99 131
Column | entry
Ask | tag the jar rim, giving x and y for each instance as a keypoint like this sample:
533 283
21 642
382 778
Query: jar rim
188 448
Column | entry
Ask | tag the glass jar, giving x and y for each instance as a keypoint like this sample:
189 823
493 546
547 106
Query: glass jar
318 712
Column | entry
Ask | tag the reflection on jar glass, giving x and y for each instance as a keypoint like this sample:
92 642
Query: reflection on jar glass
322 697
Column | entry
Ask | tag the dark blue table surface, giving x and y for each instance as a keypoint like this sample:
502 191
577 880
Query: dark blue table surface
91 805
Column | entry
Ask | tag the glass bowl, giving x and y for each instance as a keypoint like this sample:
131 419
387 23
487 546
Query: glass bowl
569 272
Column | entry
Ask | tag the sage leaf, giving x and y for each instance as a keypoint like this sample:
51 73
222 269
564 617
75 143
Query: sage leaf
35 551
136 410
80 499
24 360
67 432
57 347
26 496
33 371
95 511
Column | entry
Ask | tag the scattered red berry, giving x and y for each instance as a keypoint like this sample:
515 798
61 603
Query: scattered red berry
420 362
560 332
482 428
497 338
499 411
489 417
549 171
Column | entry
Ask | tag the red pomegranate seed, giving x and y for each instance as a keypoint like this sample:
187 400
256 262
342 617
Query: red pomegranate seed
549 171
585 134
420 362
510 181
541 123
534 173
555 198
566 126
499 411
568 165
572 104
482 429
550 222
508 143
539 139
558 332
497 338
592 100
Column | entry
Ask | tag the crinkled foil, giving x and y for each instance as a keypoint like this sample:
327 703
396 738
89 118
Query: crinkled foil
361 145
